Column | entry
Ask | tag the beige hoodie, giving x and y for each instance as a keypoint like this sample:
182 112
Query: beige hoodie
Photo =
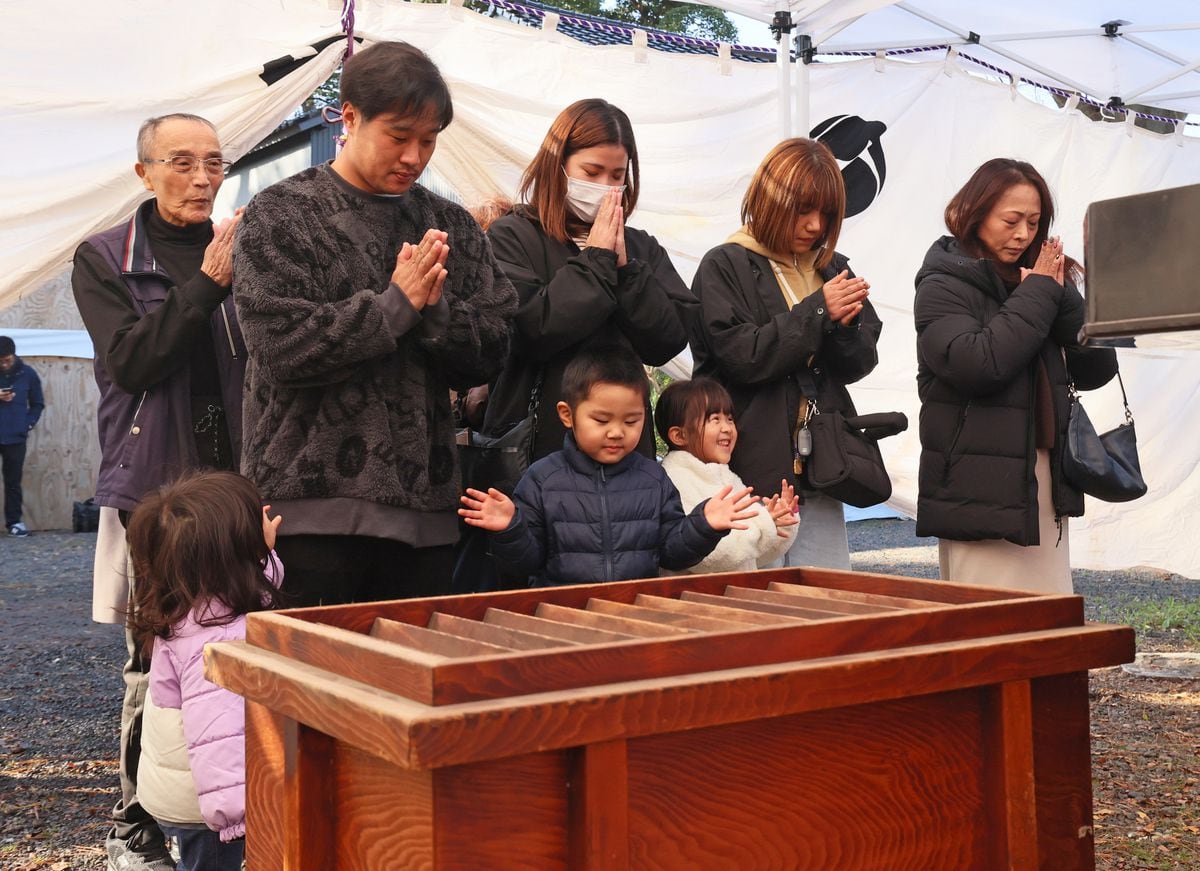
796 273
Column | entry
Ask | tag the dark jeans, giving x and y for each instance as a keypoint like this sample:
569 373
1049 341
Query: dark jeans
203 850
336 569
12 460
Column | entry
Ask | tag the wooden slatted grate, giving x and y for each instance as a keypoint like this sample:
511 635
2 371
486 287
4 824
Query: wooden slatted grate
468 648
602 621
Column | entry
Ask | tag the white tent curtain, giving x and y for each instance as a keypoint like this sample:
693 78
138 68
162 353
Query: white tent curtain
700 135
77 79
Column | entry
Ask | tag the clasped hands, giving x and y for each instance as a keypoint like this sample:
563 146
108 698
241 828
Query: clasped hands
608 230
1050 261
420 271
844 297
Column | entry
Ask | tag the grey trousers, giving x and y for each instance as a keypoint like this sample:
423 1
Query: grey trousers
821 537
131 823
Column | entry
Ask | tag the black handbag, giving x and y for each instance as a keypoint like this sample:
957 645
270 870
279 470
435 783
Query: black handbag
845 462
500 460
1104 466
85 516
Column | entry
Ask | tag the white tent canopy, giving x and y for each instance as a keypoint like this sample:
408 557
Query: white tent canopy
1106 51
702 126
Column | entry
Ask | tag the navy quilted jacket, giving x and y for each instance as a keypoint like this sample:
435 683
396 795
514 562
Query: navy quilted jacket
580 522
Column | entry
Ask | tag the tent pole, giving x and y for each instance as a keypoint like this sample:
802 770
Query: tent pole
804 53
783 62
781 26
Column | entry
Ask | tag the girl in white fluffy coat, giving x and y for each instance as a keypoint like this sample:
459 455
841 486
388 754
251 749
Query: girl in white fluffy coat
695 419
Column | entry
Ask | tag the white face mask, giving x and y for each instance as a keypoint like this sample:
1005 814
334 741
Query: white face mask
584 197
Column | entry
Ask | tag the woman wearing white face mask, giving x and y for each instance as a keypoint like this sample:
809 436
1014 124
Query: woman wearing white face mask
583 277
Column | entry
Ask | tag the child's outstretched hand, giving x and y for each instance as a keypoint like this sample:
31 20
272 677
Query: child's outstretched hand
727 509
784 508
270 527
492 510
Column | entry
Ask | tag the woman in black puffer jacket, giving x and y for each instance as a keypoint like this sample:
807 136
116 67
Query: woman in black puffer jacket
997 316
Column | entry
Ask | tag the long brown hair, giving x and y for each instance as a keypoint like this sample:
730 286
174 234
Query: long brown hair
197 539
797 176
583 124
969 208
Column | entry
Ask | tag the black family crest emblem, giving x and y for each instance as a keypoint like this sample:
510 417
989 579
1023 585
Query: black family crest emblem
857 145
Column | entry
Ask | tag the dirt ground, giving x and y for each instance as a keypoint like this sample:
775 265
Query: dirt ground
60 684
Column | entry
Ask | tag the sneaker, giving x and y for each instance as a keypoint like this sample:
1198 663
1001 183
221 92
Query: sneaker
121 857
19 530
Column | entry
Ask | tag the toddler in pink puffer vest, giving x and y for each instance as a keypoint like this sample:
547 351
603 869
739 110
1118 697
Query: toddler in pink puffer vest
203 557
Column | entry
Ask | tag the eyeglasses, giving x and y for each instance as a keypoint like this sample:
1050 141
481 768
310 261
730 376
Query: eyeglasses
187 165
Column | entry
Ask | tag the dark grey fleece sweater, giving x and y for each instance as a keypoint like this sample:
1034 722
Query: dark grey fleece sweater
347 384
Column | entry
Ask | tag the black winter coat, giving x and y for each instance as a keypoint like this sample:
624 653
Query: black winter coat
581 522
978 352
570 299
762 351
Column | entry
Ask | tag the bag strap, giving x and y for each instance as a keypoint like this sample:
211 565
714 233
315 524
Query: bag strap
1124 399
1074 394
535 397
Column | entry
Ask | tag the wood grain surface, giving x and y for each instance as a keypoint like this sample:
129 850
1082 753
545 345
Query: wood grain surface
800 720
894 786
416 735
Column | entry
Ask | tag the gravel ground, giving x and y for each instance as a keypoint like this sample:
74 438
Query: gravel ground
60 685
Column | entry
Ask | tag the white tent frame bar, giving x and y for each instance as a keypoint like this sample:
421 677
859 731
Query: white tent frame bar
1129 96
1178 95
1187 65
794 97
1156 28
834 31
992 44
872 47
1154 49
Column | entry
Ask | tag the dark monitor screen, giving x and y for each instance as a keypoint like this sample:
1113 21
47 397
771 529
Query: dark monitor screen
1142 258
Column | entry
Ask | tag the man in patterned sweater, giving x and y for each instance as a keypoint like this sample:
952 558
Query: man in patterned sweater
364 298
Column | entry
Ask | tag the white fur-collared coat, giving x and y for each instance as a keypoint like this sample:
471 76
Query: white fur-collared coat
742 550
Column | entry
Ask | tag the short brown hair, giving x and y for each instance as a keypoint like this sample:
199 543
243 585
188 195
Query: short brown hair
395 77
583 124
797 176
687 405
969 208
199 538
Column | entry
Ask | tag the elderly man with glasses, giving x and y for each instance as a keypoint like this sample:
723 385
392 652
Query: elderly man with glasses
154 293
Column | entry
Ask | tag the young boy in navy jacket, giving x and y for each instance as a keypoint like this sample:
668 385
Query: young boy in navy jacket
598 510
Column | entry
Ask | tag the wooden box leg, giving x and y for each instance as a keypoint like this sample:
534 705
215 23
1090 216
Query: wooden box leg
1009 777
599 807
1063 761
308 791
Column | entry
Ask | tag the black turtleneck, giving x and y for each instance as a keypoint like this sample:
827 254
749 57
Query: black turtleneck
179 252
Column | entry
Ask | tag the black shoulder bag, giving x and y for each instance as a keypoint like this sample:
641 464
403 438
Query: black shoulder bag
845 462
840 455
500 461
1104 466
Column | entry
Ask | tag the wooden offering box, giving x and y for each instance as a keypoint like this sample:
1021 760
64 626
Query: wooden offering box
794 718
